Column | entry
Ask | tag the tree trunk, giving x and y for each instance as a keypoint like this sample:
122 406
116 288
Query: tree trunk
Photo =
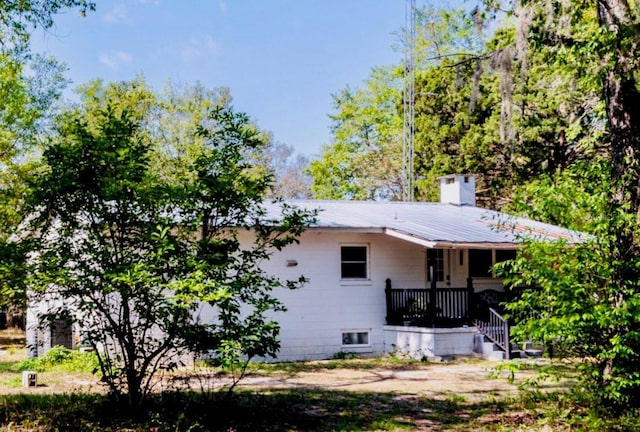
622 101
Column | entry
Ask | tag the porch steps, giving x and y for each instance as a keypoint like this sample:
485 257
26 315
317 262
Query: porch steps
487 349
490 351
528 350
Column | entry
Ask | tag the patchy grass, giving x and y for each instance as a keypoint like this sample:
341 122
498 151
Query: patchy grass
386 394
293 368
302 410
392 363
59 371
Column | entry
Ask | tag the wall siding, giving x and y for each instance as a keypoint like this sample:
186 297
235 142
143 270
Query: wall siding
320 311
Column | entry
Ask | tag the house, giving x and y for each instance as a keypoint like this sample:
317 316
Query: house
413 278
409 278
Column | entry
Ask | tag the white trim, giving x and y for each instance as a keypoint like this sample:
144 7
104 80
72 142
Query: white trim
410 238
355 330
355 282
358 280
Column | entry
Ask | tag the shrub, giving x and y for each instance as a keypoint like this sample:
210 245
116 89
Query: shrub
61 359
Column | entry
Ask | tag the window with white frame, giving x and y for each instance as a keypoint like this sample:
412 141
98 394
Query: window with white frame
435 260
354 262
355 338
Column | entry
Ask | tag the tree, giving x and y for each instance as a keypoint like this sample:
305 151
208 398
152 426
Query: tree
364 160
290 180
27 103
19 17
131 256
593 297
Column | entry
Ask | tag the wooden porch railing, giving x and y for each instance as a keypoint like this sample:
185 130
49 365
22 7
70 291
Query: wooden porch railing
440 307
496 329
447 307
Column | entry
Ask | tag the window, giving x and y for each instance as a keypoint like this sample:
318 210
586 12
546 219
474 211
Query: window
355 338
505 255
353 260
480 262
435 259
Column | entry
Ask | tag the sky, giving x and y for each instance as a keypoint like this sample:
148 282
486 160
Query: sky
281 59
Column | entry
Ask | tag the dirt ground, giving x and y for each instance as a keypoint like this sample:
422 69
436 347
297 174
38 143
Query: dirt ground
471 379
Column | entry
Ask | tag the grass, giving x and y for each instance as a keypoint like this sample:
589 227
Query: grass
309 407
294 368
302 410
295 410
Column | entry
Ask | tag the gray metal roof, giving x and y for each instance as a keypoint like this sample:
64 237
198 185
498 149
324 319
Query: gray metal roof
434 224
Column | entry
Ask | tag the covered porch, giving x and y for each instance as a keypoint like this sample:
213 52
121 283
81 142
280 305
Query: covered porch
445 321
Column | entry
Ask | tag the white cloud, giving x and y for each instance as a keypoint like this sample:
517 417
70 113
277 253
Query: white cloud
114 60
155 2
199 47
117 14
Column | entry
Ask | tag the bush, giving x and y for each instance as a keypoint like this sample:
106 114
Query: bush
61 359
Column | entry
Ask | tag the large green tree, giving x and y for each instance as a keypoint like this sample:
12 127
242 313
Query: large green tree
364 159
131 256
481 106
590 295
30 88
27 104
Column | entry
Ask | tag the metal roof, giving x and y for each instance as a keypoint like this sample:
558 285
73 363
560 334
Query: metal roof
434 224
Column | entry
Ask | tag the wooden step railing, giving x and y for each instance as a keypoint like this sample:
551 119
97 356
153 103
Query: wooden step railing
496 329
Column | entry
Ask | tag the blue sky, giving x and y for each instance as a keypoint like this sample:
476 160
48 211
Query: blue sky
282 59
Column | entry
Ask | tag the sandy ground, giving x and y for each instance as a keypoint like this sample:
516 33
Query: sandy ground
469 381
472 380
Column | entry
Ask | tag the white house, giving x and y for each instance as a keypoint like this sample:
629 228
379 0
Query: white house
372 267
388 277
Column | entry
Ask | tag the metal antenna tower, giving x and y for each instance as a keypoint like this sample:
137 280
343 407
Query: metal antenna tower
409 100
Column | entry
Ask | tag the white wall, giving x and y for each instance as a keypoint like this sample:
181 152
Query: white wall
319 312
418 343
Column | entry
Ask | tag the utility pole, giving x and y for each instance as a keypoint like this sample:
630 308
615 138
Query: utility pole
409 100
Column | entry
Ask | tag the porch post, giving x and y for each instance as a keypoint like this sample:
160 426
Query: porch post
387 292
471 301
432 297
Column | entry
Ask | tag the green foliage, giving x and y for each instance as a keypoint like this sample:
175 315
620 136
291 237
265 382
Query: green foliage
483 104
134 257
364 160
61 359
586 302
27 100
18 18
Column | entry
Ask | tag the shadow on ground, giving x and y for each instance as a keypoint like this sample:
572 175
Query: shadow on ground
278 410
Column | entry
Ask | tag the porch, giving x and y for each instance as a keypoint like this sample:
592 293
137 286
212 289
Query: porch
445 321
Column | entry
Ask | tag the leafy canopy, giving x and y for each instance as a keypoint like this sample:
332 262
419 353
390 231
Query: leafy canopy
152 271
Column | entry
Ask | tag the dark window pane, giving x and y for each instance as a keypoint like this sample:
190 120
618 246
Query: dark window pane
359 338
354 270
354 253
505 255
480 263
353 262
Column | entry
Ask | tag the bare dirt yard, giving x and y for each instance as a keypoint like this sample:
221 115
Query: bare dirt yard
472 380
341 394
